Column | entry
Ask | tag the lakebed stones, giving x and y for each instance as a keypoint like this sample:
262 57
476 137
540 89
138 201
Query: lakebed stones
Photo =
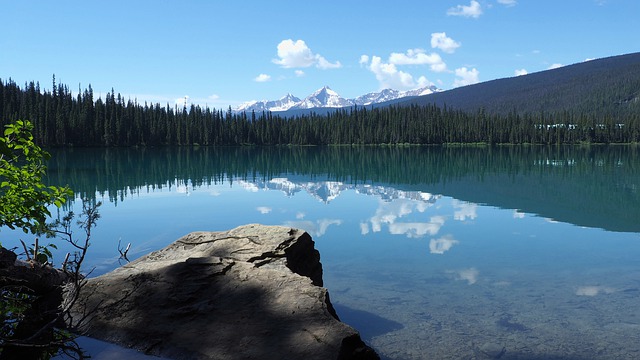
253 292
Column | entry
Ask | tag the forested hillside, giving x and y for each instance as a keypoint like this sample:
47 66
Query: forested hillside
593 102
609 86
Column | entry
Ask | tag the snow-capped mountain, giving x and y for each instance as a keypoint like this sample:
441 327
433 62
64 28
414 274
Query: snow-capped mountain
377 97
391 94
421 91
322 98
327 98
282 104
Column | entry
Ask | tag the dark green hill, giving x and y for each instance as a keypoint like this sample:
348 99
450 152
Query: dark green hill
597 87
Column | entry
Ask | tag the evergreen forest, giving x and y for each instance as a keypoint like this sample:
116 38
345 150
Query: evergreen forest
61 118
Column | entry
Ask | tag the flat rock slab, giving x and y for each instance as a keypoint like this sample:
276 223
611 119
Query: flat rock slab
254 292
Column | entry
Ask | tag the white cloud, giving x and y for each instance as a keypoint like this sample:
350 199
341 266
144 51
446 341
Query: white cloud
444 43
418 57
473 10
440 246
466 77
294 54
520 72
389 76
183 101
262 78
508 2
299 73
555 66
364 60
423 81
298 55
204 101
325 64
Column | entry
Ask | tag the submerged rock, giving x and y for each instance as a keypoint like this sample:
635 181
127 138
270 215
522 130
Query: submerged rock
254 292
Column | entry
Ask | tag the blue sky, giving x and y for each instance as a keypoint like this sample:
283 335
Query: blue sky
222 53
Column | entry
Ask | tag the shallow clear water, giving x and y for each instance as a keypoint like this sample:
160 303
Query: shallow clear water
480 253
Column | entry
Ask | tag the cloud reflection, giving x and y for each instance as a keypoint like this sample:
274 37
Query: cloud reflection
315 229
183 189
417 229
263 209
465 210
251 187
364 228
469 275
441 245
593 290
518 215
389 212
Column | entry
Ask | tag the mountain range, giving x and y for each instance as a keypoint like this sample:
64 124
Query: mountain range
601 87
324 98
605 86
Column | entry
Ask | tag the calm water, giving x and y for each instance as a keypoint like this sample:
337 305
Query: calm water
432 253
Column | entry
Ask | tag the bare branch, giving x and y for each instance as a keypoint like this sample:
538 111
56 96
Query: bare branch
35 250
123 254
42 334
26 251
65 262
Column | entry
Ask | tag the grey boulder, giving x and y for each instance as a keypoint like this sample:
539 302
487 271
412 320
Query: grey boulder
254 292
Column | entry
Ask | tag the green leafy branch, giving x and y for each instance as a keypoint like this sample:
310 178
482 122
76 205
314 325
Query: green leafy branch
25 199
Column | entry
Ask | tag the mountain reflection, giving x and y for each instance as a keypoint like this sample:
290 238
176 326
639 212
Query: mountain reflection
326 191
593 186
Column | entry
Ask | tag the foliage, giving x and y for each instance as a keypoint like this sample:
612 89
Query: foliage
41 254
24 199
592 102
33 316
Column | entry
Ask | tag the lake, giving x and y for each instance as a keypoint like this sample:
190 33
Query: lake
430 252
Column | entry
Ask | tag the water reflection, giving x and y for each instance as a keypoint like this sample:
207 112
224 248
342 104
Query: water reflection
469 275
442 245
588 186
431 252
593 290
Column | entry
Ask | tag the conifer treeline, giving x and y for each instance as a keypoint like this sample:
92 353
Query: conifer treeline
62 119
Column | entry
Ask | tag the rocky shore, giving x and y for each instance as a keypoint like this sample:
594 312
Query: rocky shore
254 292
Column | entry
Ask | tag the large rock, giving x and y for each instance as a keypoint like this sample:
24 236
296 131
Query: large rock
254 292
